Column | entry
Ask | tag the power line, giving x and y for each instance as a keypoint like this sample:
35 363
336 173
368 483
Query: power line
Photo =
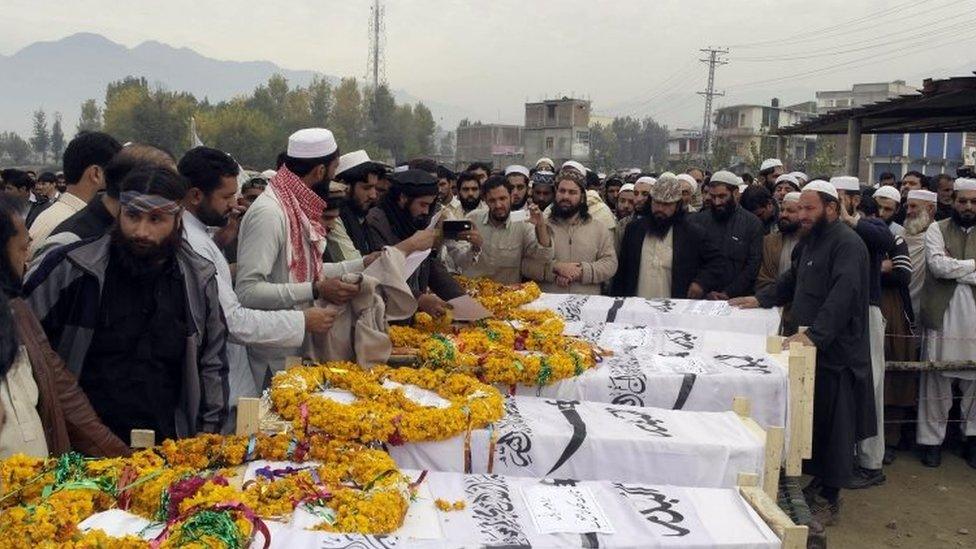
821 32
687 79
713 61
881 42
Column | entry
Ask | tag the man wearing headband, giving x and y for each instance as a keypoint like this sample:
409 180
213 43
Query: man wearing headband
404 212
136 316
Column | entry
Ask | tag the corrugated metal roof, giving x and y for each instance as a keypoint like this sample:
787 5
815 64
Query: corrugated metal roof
942 106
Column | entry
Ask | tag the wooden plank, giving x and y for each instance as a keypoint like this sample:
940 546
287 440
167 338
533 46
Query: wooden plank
772 460
774 344
248 416
809 377
742 406
794 454
142 438
792 536
747 479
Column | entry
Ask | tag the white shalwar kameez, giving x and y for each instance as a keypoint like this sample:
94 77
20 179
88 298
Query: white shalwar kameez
956 341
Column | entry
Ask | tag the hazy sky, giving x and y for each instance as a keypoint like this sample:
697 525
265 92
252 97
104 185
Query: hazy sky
628 56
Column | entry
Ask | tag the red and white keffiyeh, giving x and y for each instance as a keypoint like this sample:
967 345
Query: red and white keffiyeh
306 235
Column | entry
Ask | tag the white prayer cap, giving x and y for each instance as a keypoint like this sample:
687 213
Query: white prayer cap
964 184
516 168
888 192
574 165
919 194
821 186
688 179
634 171
726 177
666 174
769 164
352 159
401 169
799 176
545 159
601 175
268 174
788 178
646 179
311 143
792 197
845 183
627 187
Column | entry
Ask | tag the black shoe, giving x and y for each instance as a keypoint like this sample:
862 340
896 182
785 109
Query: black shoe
889 456
824 512
866 478
812 489
931 455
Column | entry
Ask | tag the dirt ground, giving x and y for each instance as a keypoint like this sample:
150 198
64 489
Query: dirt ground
917 507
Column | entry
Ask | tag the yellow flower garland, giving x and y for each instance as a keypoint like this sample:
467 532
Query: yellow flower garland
379 414
361 486
517 346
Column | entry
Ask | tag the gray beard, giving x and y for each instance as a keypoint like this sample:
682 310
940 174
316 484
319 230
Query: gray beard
917 225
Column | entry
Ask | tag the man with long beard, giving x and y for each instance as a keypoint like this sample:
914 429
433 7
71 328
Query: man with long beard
583 251
778 246
736 233
663 254
136 316
948 314
828 287
921 210
348 239
212 175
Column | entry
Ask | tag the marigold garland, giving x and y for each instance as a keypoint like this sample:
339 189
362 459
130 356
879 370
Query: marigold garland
185 483
517 346
381 414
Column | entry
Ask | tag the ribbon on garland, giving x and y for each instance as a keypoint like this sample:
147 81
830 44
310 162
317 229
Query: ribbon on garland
215 521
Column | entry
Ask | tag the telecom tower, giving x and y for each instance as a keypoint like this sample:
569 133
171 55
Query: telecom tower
713 60
375 65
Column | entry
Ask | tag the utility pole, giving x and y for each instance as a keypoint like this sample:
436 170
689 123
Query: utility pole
376 66
713 60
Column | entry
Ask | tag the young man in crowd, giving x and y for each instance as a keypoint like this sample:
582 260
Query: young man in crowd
469 192
769 171
759 202
501 244
543 185
518 181
889 205
85 159
349 239
778 245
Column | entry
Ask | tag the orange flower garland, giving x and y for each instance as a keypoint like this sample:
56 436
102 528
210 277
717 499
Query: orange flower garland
43 500
381 414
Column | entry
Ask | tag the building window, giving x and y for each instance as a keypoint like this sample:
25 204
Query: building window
935 145
742 120
548 143
551 112
954 146
583 137
889 144
880 168
915 144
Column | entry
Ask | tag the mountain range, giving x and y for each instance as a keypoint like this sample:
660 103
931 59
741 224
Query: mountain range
59 75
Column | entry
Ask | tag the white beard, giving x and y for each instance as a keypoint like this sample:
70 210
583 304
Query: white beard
917 225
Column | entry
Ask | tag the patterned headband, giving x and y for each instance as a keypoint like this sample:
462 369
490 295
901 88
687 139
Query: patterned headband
148 203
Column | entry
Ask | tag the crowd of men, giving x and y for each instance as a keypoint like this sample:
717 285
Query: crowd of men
145 291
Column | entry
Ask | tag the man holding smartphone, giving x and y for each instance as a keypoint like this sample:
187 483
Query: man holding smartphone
502 241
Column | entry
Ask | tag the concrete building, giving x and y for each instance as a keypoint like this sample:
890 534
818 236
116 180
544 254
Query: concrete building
500 144
558 129
928 153
743 126
684 143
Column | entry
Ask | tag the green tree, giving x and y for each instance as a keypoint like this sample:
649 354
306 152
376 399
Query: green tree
721 157
407 147
134 112
57 137
424 128
603 147
41 140
823 162
447 145
245 133
381 127
91 117
320 102
347 115
14 147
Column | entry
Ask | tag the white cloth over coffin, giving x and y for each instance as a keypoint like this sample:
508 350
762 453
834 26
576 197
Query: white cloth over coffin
495 513
667 313
626 337
595 441
703 382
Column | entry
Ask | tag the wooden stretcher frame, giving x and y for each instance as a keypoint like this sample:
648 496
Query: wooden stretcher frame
791 535
800 363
